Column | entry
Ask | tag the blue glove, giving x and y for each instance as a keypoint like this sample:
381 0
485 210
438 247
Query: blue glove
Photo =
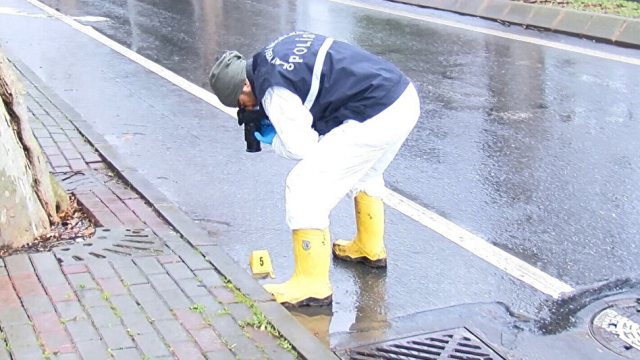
266 134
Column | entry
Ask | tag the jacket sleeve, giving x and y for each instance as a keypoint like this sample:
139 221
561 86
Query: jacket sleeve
295 137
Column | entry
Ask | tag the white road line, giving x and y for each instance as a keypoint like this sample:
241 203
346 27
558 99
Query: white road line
150 65
90 18
479 247
502 260
555 45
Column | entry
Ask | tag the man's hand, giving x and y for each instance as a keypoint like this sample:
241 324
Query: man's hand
266 134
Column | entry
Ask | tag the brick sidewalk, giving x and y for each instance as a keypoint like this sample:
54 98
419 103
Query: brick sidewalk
144 294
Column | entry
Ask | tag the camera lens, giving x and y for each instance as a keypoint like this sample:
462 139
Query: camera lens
253 144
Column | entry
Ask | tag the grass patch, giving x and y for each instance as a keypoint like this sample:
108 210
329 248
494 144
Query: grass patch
5 341
259 320
199 308
113 308
614 7
223 311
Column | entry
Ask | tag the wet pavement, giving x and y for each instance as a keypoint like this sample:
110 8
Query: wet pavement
514 143
531 148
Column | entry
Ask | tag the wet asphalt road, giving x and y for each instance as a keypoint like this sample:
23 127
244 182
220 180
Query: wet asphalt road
531 148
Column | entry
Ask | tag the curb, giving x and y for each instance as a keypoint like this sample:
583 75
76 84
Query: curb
306 344
606 28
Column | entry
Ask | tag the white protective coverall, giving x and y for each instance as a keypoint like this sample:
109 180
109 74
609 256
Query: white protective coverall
351 157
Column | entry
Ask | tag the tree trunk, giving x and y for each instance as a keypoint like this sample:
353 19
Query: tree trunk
28 204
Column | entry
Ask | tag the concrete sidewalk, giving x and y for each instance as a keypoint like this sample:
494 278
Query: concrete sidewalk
590 25
136 289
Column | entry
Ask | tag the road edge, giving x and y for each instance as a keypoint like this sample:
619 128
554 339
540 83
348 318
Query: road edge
606 28
306 344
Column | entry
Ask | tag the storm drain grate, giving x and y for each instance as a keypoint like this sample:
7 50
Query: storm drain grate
80 181
617 327
459 344
113 245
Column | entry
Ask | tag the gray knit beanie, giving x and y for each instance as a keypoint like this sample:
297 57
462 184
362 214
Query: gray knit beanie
227 77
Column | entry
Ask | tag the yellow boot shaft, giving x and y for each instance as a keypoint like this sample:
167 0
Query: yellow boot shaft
311 254
368 244
309 284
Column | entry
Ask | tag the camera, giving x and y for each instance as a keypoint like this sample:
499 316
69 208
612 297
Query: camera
251 119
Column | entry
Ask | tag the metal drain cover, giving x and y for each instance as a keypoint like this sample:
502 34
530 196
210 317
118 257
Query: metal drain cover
112 245
617 327
458 344
78 181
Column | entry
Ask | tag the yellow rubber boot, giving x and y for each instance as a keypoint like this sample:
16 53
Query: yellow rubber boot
367 247
309 285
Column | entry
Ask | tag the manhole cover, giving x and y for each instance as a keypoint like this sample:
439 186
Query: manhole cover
458 344
617 327
111 244
79 181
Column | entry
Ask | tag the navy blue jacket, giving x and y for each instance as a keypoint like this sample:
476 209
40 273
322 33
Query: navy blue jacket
336 81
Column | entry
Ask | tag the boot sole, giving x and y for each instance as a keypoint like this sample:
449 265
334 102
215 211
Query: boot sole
310 302
380 263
